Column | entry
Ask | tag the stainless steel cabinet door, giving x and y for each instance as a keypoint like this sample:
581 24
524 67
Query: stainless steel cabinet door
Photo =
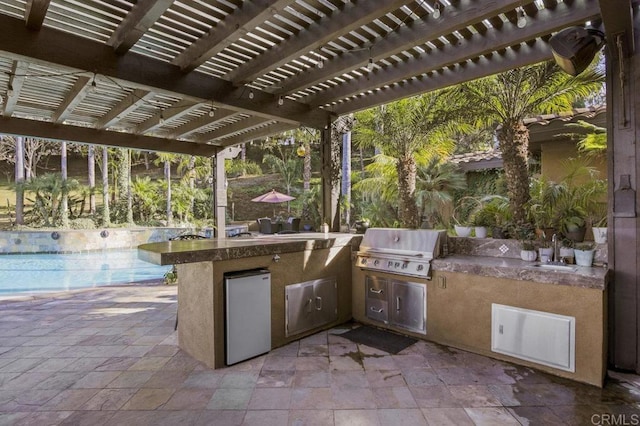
300 308
408 306
325 295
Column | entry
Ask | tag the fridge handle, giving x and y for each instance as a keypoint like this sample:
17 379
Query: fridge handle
318 299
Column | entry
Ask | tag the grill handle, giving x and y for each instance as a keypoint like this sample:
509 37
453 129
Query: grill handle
377 311
372 290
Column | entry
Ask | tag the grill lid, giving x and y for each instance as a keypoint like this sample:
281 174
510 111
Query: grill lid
425 243
401 251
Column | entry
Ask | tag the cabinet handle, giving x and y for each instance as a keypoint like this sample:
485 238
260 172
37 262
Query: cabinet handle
309 305
377 311
375 291
318 299
397 303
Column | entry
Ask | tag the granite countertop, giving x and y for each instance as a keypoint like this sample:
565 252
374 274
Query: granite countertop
190 251
579 276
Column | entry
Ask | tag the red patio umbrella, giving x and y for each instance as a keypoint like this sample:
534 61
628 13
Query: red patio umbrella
273 197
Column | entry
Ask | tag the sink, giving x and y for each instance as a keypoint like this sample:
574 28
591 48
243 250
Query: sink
562 268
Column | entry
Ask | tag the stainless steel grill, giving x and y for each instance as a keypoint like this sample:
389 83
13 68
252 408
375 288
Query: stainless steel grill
401 251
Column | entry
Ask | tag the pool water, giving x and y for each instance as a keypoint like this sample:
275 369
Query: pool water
29 273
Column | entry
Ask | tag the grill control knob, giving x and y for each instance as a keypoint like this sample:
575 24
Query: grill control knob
390 264
363 261
376 262
405 265
397 265
420 267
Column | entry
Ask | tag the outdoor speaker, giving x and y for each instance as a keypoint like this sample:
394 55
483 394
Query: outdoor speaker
574 48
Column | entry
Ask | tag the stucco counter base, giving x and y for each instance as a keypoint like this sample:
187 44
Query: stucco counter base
463 288
201 266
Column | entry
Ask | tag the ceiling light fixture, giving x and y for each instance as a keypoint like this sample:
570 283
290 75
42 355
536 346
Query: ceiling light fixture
10 91
281 100
522 19
93 86
251 95
161 120
436 11
301 151
212 112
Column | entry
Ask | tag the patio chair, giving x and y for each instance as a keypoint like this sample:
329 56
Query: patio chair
265 226
292 226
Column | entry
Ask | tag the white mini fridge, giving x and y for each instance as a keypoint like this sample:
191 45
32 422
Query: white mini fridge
247 314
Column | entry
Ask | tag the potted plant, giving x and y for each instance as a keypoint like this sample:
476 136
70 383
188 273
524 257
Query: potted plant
461 215
598 219
528 251
545 250
583 252
566 250
544 195
493 213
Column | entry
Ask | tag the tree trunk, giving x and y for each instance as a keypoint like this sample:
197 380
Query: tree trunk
129 191
192 184
106 219
408 214
64 208
306 167
19 180
91 170
346 176
514 144
167 176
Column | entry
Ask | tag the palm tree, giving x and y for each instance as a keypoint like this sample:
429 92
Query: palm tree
404 128
506 99
436 183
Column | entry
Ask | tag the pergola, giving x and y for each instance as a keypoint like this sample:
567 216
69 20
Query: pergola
195 77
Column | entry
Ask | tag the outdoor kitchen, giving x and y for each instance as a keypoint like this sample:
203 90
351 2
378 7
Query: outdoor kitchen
476 295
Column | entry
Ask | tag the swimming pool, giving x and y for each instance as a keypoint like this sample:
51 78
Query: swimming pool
30 273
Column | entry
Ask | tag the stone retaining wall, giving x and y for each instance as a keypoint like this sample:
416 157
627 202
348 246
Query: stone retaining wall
71 241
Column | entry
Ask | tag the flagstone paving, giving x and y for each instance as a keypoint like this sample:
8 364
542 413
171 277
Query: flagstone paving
109 356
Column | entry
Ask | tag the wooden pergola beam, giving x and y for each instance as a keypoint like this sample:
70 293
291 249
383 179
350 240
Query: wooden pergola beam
50 46
478 44
483 67
172 113
249 15
247 123
200 123
352 16
125 106
258 133
35 12
76 95
460 15
51 131
16 80
137 22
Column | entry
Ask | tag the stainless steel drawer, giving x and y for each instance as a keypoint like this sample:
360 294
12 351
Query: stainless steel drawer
377 288
377 310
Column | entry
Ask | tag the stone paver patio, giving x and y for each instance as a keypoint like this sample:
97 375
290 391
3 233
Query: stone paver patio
109 356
